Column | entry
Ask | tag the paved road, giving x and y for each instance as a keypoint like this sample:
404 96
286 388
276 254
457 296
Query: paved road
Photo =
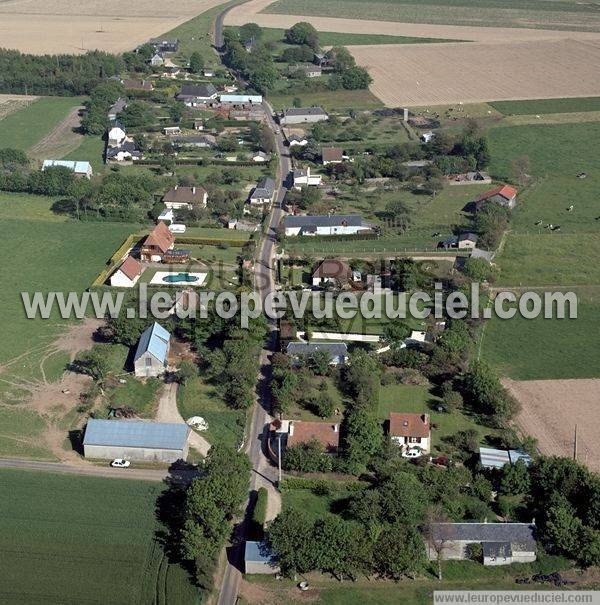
97 471
263 474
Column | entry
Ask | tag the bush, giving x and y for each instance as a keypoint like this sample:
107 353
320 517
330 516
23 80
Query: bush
307 457
259 514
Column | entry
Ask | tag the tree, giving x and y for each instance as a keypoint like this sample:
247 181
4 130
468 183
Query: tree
124 330
399 551
322 405
477 269
401 499
307 457
563 528
186 371
362 437
196 62
521 170
438 532
515 479
341 59
395 332
362 378
136 114
302 33
94 362
250 32
319 362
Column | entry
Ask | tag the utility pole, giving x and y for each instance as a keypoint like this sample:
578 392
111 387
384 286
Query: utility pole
575 445
279 460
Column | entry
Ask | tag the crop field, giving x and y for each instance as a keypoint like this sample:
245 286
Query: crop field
65 26
12 103
330 100
512 13
74 540
534 255
35 120
551 411
434 74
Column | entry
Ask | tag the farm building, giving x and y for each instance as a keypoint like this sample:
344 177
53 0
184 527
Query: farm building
128 273
303 178
135 440
259 559
410 431
193 95
157 243
81 169
203 141
133 84
115 109
503 543
303 115
261 156
505 195
494 458
241 100
171 130
152 352
162 45
157 60
263 192
185 197
341 224
337 351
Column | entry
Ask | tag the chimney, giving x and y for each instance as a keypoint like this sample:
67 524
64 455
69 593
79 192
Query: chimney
335 428
405 111
291 429
176 187
193 191
485 519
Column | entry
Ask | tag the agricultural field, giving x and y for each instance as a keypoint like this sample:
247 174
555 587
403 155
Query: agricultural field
87 540
225 425
13 103
490 13
533 255
546 106
330 100
61 26
537 349
34 121
552 409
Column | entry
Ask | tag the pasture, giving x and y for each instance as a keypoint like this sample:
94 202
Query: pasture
64 26
330 100
489 13
546 106
27 126
537 349
86 540
551 409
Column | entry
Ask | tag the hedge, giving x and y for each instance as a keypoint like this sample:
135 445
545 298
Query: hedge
114 259
259 514
315 484
212 241
331 238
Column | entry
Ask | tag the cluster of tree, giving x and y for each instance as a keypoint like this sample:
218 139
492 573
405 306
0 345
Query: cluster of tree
53 181
95 120
302 34
491 221
256 67
346 74
210 504
62 75
11 159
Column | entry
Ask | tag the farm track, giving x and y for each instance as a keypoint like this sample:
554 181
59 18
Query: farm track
61 140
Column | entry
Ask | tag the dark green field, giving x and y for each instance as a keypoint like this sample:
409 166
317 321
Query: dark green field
546 106
83 541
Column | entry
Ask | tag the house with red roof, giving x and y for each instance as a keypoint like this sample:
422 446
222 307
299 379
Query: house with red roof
128 273
410 431
505 195
157 243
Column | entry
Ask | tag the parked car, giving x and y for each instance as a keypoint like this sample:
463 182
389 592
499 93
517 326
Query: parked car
414 452
120 463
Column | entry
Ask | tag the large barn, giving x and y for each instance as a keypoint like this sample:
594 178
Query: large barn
135 440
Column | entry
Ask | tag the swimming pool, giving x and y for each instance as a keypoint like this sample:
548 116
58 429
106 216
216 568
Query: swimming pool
174 278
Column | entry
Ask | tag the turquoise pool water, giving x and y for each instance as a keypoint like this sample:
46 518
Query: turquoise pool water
179 277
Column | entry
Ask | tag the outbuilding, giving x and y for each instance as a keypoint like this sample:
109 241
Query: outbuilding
152 352
128 273
136 440
259 559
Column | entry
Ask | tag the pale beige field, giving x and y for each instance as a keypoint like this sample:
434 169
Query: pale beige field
68 26
12 103
435 74
552 408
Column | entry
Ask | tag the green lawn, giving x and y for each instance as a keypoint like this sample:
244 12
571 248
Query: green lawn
28 126
141 396
197 398
91 150
535 349
75 540
418 400
316 505
21 435
546 106
565 14
28 207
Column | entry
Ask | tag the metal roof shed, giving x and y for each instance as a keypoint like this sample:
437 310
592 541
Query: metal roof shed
136 440
259 559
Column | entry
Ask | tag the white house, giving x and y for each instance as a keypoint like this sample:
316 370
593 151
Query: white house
229 99
410 431
81 169
116 136
467 241
295 140
185 197
348 224
263 192
157 60
152 352
303 115
171 131
337 351
261 156
128 273
426 137
302 178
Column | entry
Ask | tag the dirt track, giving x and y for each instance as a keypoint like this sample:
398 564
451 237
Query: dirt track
552 408
54 26
61 140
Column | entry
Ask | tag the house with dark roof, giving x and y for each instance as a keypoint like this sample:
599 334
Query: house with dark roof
502 543
464 241
259 559
136 84
296 140
263 192
332 155
136 440
128 273
116 108
202 141
163 45
337 351
303 115
303 178
185 197
332 271
505 195
334 224
157 243
410 431
193 95
126 151
152 352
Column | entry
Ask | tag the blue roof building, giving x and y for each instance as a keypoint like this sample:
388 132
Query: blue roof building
258 558
152 352
83 169
135 440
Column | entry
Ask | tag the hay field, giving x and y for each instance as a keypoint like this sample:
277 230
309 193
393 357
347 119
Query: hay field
66 26
552 408
436 74
13 103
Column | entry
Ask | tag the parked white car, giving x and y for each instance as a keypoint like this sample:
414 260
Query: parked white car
120 463
411 453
